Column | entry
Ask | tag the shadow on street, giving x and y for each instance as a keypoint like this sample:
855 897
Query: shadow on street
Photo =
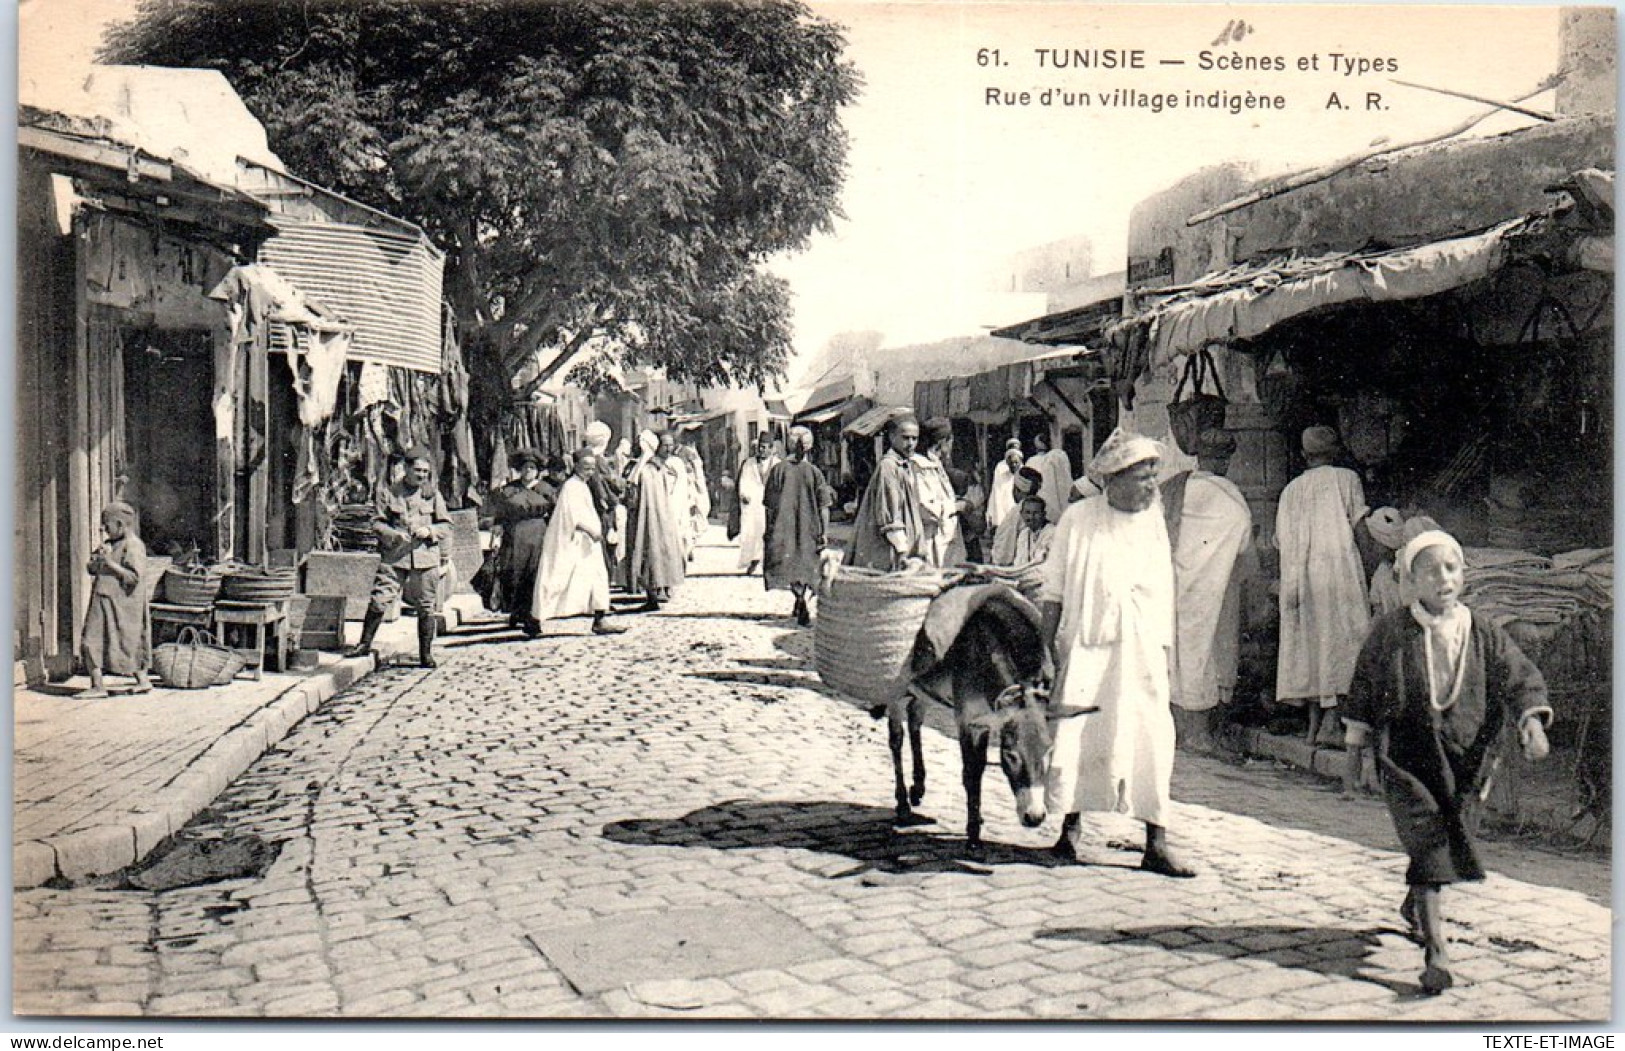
1330 951
853 830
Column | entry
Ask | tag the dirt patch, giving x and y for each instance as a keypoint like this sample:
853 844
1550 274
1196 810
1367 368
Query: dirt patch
194 862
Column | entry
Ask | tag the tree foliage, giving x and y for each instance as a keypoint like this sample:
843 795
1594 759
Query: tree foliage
603 174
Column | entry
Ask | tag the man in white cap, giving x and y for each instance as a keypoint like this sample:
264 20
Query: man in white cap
1211 530
1323 587
1108 605
1001 498
1056 470
751 488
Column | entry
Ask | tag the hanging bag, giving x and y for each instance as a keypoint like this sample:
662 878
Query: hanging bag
1201 411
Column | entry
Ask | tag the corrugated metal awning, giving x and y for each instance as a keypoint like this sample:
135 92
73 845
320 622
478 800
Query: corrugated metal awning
386 284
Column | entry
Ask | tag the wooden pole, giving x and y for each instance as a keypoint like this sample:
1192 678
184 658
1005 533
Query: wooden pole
1538 114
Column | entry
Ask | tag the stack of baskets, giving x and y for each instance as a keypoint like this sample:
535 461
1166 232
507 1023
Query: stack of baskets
192 586
867 621
260 584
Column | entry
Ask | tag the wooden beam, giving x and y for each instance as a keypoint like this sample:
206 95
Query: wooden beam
1538 114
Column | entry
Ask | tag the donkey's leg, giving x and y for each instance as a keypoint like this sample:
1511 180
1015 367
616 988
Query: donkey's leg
973 759
916 717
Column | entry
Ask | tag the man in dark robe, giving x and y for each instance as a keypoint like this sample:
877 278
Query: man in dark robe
796 500
655 557
887 531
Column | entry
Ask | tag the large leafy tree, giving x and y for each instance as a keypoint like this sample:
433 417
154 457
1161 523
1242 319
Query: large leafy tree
606 176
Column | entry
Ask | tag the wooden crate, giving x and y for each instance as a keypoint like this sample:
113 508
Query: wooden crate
323 627
345 574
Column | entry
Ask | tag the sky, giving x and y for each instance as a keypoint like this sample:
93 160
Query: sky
944 188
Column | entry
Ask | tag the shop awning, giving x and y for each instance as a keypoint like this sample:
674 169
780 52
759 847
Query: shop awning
1073 327
847 409
821 416
869 424
1244 302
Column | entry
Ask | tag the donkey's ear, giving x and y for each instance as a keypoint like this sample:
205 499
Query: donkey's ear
1012 696
1068 711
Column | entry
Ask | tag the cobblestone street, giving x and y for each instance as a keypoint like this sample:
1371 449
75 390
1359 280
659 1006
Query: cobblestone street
682 822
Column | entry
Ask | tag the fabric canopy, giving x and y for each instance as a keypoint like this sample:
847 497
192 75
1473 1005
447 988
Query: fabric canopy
1245 302
869 424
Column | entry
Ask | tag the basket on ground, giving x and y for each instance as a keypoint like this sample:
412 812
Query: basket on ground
194 661
195 587
867 621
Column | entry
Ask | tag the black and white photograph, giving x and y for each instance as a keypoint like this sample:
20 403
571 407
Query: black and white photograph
813 511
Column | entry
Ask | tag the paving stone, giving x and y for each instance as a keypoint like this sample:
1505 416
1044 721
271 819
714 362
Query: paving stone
94 851
523 788
32 864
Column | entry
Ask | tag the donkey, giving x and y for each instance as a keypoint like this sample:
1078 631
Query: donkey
982 653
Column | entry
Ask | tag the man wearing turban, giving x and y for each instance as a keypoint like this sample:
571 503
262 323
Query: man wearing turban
654 542
1001 497
1323 587
1108 605
1026 482
1056 470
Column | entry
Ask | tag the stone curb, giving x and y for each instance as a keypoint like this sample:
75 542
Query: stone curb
1327 762
103 849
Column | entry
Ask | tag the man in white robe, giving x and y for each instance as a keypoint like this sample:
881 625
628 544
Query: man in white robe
1108 605
1211 530
1001 495
573 578
1027 483
1036 535
940 540
752 490
1056 470
1323 588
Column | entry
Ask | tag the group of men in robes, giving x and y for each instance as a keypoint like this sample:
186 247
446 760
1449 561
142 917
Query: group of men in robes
913 512
635 525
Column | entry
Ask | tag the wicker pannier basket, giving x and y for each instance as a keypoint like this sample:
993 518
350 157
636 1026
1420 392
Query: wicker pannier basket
867 621
195 662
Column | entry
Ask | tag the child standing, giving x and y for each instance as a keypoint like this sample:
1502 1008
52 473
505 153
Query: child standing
115 637
1438 690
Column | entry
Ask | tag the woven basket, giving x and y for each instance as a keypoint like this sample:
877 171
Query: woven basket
191 587
253 584
867 621
195 662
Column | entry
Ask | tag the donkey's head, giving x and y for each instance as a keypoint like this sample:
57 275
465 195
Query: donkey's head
1022 722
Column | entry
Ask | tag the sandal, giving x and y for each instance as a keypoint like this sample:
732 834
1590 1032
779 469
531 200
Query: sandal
1163 865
